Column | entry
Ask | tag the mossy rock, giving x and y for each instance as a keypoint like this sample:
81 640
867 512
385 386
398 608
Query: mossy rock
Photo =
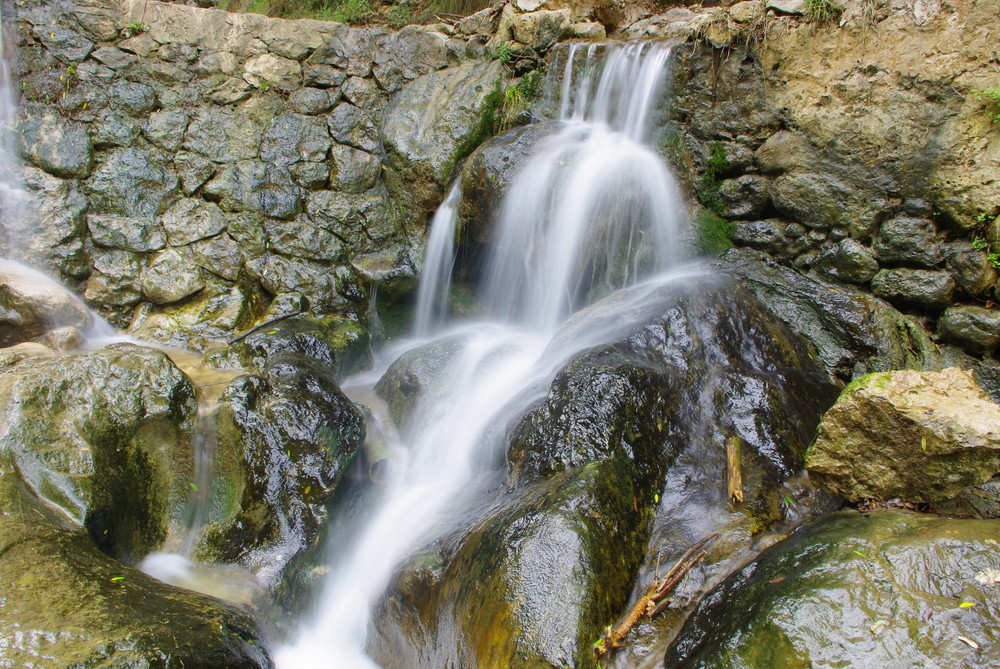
66 604
882 589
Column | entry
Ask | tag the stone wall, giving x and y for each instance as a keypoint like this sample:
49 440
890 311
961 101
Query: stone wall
192 165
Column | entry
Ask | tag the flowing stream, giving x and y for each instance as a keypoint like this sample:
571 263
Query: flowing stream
592 211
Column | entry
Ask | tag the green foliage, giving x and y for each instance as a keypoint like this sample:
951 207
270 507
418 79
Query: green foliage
345 11
400 14
503 53
708 184
981 244
134 28
821 11
992 99
713 233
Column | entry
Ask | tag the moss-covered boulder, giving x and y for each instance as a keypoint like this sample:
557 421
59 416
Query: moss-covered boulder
66 604
105 437
920 436
338 342
861 590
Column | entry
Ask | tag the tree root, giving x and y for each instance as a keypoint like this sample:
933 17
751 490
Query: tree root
654 601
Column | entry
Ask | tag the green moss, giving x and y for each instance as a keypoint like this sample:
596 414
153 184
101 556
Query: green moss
488 124
708 184
713 233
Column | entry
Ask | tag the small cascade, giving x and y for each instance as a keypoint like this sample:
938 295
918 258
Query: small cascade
594 210
439 260
14 199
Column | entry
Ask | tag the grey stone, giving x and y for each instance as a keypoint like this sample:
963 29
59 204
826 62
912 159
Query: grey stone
133 98
111 57
251 186
126 233
361 92
846 261
193 170
291 138
271 71
171 276
65 44
93 72
971 267
178 53
311 176
216 63
301 239
908 241
352 170
247 230
588 30
406 55
355 127
141 45
57 146
114 130
166 73
31 304
823 201
540 30
52 238
482 22
765 235
362 220
744 197
219 255
228 135
129 183
393 271
747 11
973 328
191 219
322 76
115 281
230 92
928 289
794 7
166 129
279 274
311 101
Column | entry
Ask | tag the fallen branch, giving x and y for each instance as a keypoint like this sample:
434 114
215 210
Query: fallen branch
271 321
654 600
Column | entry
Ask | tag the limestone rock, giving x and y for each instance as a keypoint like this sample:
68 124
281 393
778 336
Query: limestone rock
171 275
353 170
31 303
58 146
919 436
971 268
541 29
130 182
291 138
745 197
271 71
311 101
126 233
847 261
908 241
191 219
928 289
974 328
747 11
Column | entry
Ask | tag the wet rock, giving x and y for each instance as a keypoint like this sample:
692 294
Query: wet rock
271 71
219 255
744 197
301 239
171 276
231 91
103 436
280 274
64 43
116 279
406 55
130 182
113 57
291 138
393 272
191 219
293 434
919 436
126 233
31 304
251 186
927 289
362 92
847 261
353 170
134 98
588 30
912 242
311 101
489 171
311 176
336 342
763 235
228 135
975 501
854 590
822 202
166 129
114 130
69 603
974 328
58 146
435 121
355 127
971 268
193 170
364 220
53 238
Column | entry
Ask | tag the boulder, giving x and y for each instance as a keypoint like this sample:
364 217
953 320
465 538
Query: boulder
67 604
58 146
972 269
974 328
192 219
171 276
271 71
919 436
31 304
541 29
104 436
53 237
745 197
926 289
126 233
912 242
292 138
846 261
353 170
131 182
880 589
767 235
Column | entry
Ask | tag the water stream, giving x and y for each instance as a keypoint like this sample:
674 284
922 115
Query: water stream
594 210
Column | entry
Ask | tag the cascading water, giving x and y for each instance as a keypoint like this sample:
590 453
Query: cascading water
14 199
432 293
594 210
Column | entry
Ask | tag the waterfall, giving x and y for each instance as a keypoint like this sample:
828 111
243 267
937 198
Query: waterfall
593 210
14 200
432 293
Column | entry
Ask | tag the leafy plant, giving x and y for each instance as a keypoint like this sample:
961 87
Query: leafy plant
503 53
346 11
981 244
134 28
821 11
400 14
992 99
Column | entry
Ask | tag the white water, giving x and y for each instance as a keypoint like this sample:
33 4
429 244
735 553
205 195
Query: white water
594 210
14 200
432 293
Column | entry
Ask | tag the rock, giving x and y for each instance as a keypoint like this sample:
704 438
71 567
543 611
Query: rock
745 196
63 339
116 279
219 255
435 121
231 91
311 101
271 71
919 436
975 501
406 55
541 29
847 261
301 239
280 274
191 219
365 221
112 57
193 170
52 239
974 328
354 126
31 304
130 183
166 129
747 11
126 233
103 436
393 272
793 7
971 268
171 276
228 135
311 176
912 242
64 43
362 92
588 30
133 98
854 590
252 186
353 170
927 289
58 146
482 22
763 235
338 343
114 130
69 603
822 201
291 138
